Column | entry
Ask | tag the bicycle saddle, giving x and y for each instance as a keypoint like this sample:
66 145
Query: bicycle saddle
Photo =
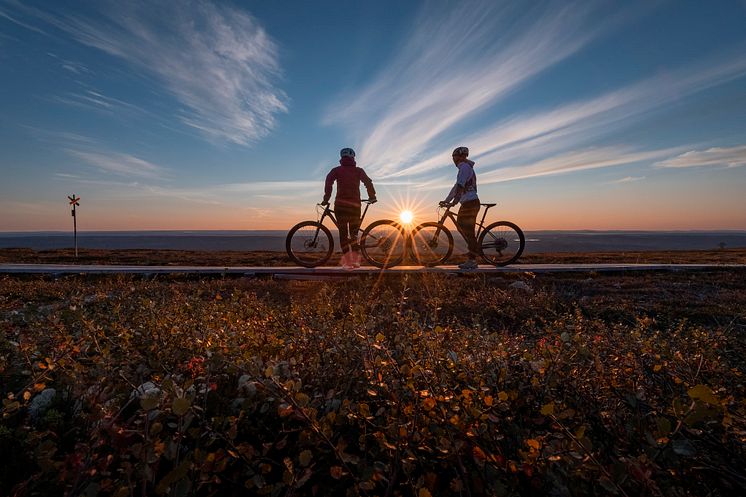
488 205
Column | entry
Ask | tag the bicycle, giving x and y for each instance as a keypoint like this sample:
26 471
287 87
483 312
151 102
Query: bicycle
311 244
501 243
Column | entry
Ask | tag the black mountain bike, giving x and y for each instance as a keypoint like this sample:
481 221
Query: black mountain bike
311 244
500 243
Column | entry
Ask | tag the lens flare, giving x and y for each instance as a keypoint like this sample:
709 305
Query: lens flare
406 217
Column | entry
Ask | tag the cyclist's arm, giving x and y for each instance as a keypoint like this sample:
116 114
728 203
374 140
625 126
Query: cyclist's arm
454 195
465 172
368 184
328 184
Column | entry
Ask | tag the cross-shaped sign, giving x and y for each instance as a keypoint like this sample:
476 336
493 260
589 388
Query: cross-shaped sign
73 202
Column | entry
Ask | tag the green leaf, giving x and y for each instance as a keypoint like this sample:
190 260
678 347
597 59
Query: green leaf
175 475
181 405
149 403
305 458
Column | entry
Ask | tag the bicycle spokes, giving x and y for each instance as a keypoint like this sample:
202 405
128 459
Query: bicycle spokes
309 244
501 243
383 244
432 244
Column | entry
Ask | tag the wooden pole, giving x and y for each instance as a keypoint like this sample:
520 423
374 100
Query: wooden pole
74 202
75 231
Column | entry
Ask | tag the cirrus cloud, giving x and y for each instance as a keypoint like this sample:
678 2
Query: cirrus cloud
216 60
716 156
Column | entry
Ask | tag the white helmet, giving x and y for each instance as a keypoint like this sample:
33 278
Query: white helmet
347 152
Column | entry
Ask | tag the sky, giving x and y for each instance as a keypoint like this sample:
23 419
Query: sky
199 115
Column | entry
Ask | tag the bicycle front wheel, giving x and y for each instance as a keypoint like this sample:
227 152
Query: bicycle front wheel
432 244
383 243
501 243
309 244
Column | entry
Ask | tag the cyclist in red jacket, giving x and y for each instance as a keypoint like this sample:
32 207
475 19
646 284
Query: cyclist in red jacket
347 203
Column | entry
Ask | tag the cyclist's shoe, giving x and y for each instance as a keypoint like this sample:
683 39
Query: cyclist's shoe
470 265
355 259
346 261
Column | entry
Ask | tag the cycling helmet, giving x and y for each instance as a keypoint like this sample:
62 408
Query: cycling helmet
461 151
347 152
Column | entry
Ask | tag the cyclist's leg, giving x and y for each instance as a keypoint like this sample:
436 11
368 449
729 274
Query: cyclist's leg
466 221
354 228
348 218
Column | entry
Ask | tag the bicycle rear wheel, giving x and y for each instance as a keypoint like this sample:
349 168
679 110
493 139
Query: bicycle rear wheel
383 243
309 244
501 243
432 244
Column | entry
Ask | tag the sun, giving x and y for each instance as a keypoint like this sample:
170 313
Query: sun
406 217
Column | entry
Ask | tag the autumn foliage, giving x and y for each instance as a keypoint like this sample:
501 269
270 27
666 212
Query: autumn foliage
409 385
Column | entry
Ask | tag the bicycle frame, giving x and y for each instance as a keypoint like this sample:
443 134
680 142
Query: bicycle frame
328 212
448 214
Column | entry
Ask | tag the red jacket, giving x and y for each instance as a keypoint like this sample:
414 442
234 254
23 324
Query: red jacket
348 177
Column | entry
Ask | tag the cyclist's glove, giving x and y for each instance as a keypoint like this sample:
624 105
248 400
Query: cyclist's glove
372 200
443 203
324 202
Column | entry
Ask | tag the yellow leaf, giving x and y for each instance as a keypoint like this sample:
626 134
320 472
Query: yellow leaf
503 396
424 493
533 443
703 393
302 399
488 401
180 406
429 403
657 367
26 395
305 458
380 337
548 409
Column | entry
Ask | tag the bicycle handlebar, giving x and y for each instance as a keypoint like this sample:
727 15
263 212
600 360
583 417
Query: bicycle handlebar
366 200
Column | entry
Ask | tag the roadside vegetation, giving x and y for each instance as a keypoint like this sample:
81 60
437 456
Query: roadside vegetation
425 385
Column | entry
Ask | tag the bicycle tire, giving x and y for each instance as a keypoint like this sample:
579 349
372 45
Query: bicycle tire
498 244
320 239
377 246
424 249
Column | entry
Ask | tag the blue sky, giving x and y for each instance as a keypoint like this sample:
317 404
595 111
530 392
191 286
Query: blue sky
228 115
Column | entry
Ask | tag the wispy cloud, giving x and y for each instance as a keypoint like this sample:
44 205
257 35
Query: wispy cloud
716 156
627 179
5 15
118 163
96 100
70 65
572 125
592 158
217 60
448 71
